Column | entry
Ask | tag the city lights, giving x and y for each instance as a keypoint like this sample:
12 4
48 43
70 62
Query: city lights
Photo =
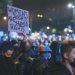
48 27
29 29
39 15
65 30
70 5
4 18
53 30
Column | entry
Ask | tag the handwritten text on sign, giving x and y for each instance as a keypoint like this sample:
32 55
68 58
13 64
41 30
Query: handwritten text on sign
18 20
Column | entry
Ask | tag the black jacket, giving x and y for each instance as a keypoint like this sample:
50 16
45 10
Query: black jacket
7 67
56 69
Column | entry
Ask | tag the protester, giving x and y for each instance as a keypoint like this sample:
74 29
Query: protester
64 66
7 66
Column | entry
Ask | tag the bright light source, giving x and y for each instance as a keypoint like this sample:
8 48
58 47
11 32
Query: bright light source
65 30
70 5
13 35
29 29
39 15
5 18
60 37
70 30
44 36
5 37
48 27
53 30
1 33
73 6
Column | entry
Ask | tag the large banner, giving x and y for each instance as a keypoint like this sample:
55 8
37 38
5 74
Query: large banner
18 20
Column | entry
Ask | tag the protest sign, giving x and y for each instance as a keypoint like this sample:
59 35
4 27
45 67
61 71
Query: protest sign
18 20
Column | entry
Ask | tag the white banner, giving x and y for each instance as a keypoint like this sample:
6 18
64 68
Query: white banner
18 20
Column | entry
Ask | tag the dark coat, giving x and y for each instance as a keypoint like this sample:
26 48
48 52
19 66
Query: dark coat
56 69
39 65
7 67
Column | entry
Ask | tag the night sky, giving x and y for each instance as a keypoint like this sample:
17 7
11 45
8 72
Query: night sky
38 4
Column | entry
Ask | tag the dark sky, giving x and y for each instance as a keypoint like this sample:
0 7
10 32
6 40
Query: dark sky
38 4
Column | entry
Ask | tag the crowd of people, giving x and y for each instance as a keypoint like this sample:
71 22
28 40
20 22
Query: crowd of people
30 58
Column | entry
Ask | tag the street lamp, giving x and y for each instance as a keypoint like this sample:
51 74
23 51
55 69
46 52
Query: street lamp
4 18
70 5
48 27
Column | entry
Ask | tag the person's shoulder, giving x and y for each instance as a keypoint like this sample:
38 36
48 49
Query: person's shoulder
54 72
55 69
60 69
